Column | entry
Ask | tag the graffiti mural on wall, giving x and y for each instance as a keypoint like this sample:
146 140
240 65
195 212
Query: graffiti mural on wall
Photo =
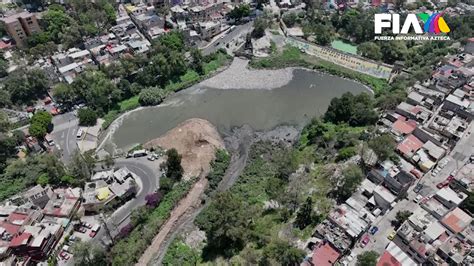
352 62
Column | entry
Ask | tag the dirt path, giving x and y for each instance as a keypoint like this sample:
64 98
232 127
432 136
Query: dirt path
193 199
238 143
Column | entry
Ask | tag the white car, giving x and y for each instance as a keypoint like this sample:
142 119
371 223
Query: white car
79 133
418 198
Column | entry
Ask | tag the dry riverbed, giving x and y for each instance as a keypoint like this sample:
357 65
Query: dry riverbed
239 76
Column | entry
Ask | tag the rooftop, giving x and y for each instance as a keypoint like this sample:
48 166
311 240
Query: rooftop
401 257
325 255
457 220
409 145
404 126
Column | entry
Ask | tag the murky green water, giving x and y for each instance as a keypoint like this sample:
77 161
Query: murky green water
306 96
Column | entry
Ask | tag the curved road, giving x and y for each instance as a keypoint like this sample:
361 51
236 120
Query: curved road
148 174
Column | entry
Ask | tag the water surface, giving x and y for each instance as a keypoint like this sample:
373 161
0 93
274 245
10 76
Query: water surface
307 95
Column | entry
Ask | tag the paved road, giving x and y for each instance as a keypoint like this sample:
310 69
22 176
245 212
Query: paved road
240 30
64 134
148 174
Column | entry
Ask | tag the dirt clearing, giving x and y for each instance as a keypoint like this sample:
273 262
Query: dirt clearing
196 140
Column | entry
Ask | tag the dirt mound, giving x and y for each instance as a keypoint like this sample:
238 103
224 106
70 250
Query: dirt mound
196 140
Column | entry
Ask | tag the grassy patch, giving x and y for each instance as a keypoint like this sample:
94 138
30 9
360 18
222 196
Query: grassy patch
181 254
215 64
11 187
290 56
129 104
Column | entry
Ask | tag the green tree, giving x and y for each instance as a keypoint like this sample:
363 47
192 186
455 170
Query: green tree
5 98
43 180
383 146
239 12
96 89
38 131
64 93
7 149
367 258
24 86
86 253
79 166
370 50
468 203
402 216
139 215
42 118
355 110
352 176
283 253
290 19
87 117
3 68
323 35
259 27
109 161
197 61
393 51
174 170
4 122
151 96
181 254
226 223
305 214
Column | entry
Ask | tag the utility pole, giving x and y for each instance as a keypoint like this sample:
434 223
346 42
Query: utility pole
107 231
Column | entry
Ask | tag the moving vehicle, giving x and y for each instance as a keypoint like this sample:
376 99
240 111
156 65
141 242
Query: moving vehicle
373 230
79 133
392 235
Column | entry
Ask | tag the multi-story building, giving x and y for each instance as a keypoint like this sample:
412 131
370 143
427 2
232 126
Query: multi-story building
20 26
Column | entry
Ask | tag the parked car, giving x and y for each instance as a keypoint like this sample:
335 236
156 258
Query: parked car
64 255
94 230
418 188
364 241
82 230
92 234
151 157
392 235
418 198
79 133
446 182
87 225
373 230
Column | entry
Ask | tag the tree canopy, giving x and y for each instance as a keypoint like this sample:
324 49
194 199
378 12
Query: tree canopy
367 258
356 110
87 117
174 170
39 124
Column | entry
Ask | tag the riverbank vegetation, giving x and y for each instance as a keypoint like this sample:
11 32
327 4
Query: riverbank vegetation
273 203
146 222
